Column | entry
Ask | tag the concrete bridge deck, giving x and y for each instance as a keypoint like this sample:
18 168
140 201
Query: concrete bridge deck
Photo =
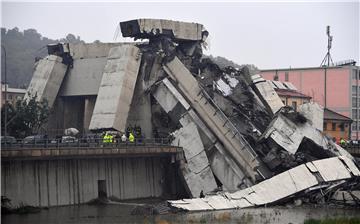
88 150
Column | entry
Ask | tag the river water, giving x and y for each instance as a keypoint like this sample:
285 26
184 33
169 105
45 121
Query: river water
121 214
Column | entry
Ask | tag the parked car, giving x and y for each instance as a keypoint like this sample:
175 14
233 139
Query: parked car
92 138
354 143
8 140
35 139
68 139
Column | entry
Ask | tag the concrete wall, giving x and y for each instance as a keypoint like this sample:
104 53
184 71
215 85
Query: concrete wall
84 78
55 124
71 112
312 83
74 112
64 182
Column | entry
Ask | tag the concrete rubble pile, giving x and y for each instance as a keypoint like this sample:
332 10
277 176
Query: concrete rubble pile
238 137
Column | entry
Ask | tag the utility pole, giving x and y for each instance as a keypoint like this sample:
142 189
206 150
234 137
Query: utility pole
5 96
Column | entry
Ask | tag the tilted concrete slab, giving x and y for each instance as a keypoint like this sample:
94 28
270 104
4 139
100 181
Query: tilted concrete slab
116 89
222 165
46 81
265 92
284 132
196 171
314 113
146 28
165 98
281 186
217 122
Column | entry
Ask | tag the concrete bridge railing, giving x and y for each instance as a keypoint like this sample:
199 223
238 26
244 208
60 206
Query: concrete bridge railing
94 148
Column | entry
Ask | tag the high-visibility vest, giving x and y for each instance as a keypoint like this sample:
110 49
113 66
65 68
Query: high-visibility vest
131 137
106 138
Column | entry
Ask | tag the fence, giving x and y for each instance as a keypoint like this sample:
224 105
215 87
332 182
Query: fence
81 143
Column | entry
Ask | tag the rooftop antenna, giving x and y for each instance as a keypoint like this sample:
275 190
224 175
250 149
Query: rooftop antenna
327 58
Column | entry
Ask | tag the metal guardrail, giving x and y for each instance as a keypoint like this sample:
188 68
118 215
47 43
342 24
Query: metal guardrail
353 149
84 143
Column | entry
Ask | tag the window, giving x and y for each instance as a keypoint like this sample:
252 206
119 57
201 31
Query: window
333 127
353 126
354 102
325 126
354 114
354 90
294 105
276 77
286 76
342 127
354 75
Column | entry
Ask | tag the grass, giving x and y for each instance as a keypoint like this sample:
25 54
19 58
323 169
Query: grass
333 221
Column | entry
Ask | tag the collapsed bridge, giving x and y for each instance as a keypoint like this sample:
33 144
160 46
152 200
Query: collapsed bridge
233 127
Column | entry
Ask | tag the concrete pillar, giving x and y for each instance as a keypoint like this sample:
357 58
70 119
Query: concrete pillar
116 89
48 76
88 111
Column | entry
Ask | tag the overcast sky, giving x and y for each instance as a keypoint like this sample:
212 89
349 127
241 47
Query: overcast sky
269 35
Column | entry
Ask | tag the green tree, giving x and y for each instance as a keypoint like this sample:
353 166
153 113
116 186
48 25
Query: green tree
26 117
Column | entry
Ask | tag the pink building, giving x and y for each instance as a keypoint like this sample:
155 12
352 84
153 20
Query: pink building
335 87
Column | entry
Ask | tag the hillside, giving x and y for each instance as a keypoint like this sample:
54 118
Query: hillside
21 49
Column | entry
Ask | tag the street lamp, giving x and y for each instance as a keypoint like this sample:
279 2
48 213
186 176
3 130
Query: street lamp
5 105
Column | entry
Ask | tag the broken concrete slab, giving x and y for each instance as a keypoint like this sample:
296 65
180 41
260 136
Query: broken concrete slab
218 123
165 98
269 96
314 113
284 133
281 186
116 89
47 78
224 168
349 197
148 28
332 170
197 173
289 134
265 92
